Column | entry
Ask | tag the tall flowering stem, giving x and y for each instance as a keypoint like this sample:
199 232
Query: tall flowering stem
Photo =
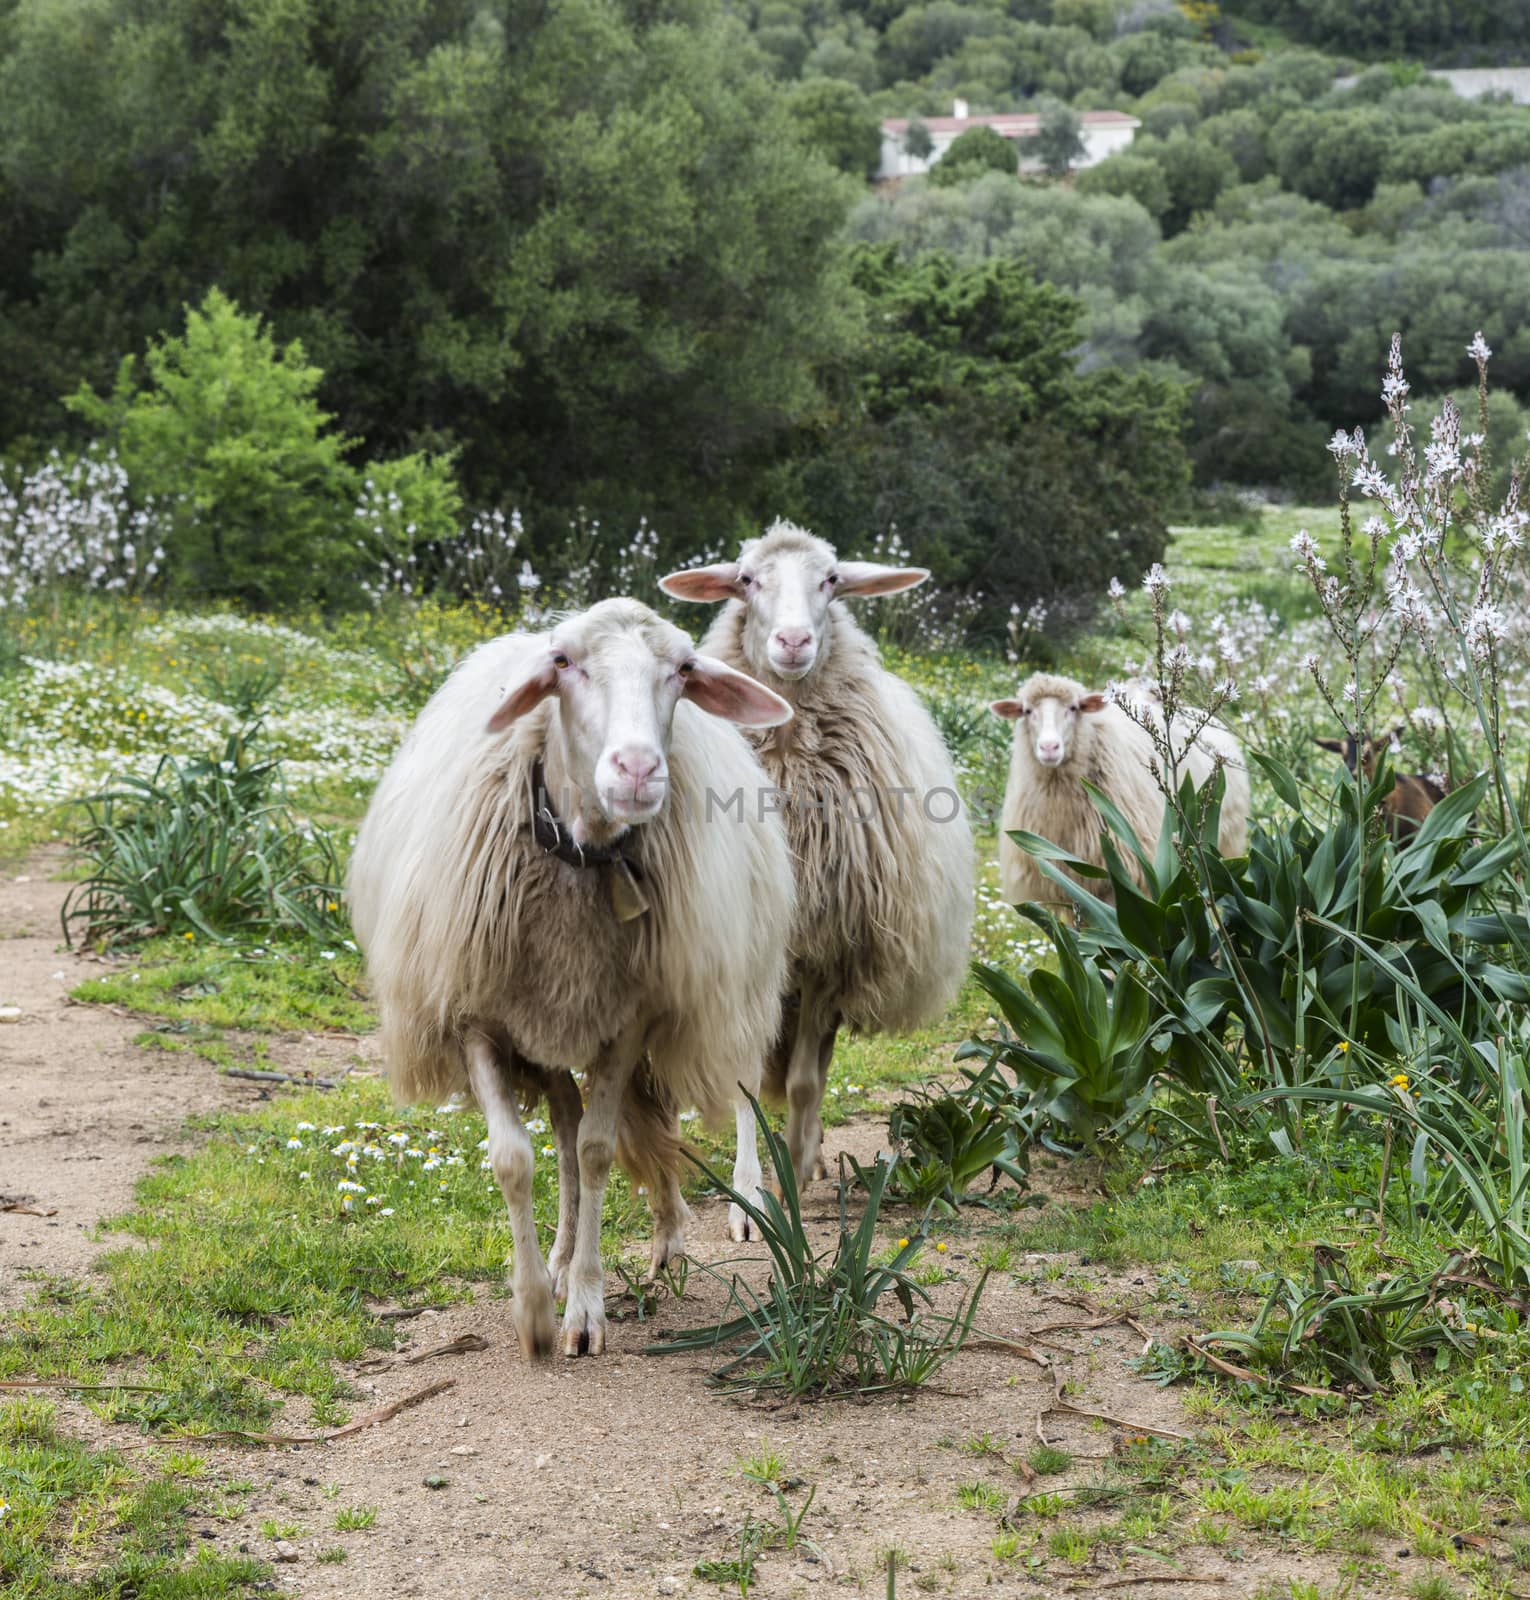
1455 581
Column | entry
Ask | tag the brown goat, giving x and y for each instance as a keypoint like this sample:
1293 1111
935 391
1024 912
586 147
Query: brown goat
1413 795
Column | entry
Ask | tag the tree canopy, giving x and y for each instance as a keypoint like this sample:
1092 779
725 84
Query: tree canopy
583 244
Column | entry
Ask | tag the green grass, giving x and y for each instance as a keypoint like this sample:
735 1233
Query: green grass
282 987
80 1524
1350 1476
283 1270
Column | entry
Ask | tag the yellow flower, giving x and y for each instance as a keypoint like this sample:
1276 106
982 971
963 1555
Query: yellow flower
903 1244
1400 1081
1343 1047
333 905
188 936
940 1248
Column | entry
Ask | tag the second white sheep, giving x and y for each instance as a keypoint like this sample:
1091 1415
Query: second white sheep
879 836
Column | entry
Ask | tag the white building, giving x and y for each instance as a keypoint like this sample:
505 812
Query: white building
1103 133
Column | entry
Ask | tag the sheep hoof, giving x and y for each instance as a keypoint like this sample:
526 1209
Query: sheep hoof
536 1327
584 1338
740 1225
584 1324
666 1252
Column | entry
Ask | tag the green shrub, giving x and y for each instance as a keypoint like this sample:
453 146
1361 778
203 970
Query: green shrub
223 430
1059 141
973 153
976 439
203 847
254 494
836 119
1267 977
1083 1049
949 1140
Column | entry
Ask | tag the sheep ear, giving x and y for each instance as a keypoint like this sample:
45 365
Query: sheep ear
1008 709
1092 702
540 681
867 578
734 696
706 584
1336 745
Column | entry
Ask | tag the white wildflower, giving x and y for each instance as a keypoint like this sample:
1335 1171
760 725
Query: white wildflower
1370 481
1343 444
1485 625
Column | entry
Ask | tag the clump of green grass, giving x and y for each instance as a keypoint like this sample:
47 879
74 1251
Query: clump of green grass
1047 1460
210 846
818 1326
767 1465
1069 1545
349 1519
981 1496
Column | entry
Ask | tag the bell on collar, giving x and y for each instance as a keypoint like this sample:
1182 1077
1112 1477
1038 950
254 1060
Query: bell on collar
627 897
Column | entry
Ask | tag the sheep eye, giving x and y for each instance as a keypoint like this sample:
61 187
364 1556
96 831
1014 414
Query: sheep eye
745 580
832 579
687 668
559 659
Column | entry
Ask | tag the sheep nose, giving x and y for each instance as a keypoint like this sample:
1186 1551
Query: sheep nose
1048 747
637 763
794 638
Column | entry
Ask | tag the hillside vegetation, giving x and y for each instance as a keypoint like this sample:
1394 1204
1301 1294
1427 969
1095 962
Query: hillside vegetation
620 267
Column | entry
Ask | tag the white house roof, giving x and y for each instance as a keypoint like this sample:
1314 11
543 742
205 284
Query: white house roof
1011 124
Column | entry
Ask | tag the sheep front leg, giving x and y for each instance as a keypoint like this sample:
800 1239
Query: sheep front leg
565 1108
511 1158
584 1314
812 1050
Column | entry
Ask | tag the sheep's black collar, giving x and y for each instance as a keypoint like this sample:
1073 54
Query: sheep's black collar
554 836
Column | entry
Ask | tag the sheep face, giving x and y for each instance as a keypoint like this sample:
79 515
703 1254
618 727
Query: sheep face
1048 712
788 579
1354 752
618 671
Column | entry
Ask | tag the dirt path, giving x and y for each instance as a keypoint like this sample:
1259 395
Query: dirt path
604 1478
82 1111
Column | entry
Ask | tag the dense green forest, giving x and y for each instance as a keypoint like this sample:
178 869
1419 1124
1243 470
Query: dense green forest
619 259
